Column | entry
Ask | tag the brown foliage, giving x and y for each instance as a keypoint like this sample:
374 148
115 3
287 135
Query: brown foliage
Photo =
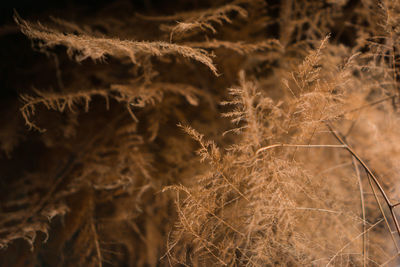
294 120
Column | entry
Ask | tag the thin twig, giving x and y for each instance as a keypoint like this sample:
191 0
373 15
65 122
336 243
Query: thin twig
369 104
233 186
362 209
371 175
360 186
292 145
351 241
383 213
389 260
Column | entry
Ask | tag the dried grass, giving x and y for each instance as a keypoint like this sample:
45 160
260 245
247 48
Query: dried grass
296 163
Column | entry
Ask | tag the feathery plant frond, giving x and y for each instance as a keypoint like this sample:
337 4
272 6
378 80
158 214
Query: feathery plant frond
277 161
203 21
84 46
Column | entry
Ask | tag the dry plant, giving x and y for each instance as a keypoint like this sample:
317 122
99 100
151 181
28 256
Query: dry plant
242 133
82 46
188 23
